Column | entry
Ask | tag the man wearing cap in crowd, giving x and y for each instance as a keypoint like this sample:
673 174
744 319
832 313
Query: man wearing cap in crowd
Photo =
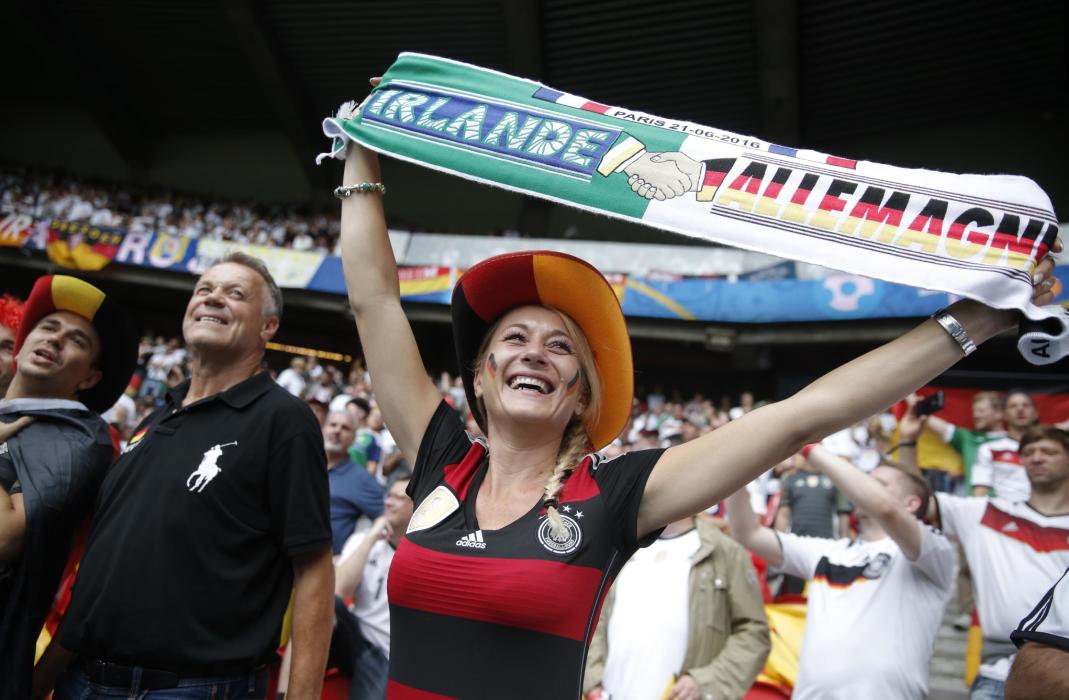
75 351
215 513
10 316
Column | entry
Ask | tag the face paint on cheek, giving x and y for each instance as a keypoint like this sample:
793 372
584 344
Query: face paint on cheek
573 385
491 367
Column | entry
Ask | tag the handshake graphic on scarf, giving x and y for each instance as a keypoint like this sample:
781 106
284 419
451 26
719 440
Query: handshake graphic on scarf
663 176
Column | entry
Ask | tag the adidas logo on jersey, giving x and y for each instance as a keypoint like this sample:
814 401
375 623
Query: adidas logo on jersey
473 540
1010 527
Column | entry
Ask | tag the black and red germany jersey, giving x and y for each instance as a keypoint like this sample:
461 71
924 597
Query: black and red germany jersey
504 613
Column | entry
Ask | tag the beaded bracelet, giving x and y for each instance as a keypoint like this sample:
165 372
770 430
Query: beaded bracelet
346 191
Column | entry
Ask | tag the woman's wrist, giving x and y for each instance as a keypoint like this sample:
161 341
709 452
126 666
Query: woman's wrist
982 322
361 165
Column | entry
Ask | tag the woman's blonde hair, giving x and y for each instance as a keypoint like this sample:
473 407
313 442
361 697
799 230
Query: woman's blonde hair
575 442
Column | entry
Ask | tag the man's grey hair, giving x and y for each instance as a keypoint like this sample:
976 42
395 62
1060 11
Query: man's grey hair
348 416
273 302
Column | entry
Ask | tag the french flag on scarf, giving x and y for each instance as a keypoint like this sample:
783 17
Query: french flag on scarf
812 156
563 98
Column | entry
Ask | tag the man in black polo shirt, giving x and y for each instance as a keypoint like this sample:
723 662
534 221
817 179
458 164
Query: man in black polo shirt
217 509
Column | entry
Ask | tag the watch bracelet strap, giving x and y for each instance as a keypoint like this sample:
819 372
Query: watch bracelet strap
956 331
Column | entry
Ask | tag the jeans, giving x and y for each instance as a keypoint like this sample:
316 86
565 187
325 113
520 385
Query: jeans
370 675
940 481
358 658
75 685
987 689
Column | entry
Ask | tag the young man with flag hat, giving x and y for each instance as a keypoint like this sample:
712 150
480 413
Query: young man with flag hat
74 353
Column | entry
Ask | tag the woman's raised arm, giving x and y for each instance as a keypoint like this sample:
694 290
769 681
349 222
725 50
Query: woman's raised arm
693 476
405 394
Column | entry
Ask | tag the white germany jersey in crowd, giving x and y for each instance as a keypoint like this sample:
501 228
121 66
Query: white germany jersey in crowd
872 615
1048 623
370 606
998 467
1015 554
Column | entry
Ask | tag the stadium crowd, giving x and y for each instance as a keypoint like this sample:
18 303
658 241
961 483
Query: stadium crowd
44 195
48 195
855 524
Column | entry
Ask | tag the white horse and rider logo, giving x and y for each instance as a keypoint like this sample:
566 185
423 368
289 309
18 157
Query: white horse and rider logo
208 468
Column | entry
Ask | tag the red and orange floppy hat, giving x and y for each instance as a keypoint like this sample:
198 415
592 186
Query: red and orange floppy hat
118 340
545 278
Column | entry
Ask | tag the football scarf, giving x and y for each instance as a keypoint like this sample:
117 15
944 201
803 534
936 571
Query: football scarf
978 236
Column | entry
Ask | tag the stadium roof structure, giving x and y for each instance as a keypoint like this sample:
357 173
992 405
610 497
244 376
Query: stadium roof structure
224 97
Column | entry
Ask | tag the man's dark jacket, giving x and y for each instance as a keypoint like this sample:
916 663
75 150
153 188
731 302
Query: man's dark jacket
59 462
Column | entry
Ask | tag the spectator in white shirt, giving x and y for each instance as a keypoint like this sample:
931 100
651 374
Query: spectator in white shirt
875 603
1016 550
362 636
1041 669
292 378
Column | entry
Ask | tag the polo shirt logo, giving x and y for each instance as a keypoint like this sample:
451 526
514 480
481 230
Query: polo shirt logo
208 468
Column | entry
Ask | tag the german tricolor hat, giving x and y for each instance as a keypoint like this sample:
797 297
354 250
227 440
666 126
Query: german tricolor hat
118 340
496 285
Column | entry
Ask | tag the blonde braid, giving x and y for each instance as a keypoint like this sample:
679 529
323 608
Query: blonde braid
574 445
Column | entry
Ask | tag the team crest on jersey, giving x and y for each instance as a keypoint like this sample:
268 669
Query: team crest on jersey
435 508
876 566
560 543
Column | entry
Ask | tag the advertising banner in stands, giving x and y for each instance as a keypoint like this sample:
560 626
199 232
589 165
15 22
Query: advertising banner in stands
768 295
290 268
14 230
427 283
837 297
159 250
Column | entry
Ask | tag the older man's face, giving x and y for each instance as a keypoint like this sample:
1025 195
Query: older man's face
226 311
338 432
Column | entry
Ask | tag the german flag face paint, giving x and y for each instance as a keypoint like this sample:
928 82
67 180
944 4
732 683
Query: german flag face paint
573 384
491 367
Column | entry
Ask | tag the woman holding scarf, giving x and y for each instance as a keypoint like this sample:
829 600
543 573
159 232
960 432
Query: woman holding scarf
496 589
